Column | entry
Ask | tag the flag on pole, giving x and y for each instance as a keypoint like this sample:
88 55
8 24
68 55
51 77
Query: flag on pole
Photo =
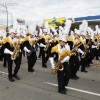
20 21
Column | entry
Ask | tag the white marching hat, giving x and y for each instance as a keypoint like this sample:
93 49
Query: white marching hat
45 30
12 31
83 33
55 33
61 28
62 38
77 31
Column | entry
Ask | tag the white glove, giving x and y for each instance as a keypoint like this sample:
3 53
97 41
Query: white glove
67 47
52 62
26 49
94 46
7 51
65 59
11 53
87 47
50 41
42 45
38 44
80 51
34 46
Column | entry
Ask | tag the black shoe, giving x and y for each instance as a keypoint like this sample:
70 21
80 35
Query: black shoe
30 70
65 89
88 66
74 78
1 59
97 58
84 71
91 62
11 79
39 56
4 66
62 92
45 66
15 76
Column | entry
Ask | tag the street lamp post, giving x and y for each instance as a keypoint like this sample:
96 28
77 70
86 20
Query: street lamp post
7 17
11 16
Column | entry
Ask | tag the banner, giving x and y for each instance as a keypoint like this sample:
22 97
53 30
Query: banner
53 23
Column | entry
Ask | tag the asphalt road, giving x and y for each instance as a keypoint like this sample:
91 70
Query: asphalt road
42 85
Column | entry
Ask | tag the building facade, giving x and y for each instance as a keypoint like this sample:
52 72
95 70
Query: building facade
92 20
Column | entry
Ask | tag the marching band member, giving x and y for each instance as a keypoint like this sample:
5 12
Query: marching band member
2 55
56 38
55 42
74 60
29 47
43 39
96 50
9 44
1 43
40 51
83 59
21 35
62 76
49 42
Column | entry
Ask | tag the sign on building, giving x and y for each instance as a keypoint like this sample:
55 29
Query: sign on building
53 23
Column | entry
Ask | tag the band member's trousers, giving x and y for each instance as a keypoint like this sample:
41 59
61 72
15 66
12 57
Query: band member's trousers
63 77
5 60
10 63
31 60
74 65
43 57
20 57
40 53
1 53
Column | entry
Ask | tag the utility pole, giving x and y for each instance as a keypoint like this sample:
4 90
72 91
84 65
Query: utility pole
7 16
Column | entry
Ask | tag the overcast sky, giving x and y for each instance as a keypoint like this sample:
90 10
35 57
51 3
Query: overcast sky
37 10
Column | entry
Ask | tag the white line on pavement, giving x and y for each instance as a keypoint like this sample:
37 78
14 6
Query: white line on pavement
79 90
3 72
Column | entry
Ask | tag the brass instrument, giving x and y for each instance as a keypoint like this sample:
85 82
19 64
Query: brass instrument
85 52
16 52
1 43
86 49
59 66
32 48
47 46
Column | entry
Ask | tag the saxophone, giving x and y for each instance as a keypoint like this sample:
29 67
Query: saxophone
16 52
59 66
86 50
47 45
32 48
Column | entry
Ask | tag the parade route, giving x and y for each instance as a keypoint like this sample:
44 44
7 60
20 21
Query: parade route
42 85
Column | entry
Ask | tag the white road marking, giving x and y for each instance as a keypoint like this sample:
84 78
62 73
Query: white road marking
79 90
3 72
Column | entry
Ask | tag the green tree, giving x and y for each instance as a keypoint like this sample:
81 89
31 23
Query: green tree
75 25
